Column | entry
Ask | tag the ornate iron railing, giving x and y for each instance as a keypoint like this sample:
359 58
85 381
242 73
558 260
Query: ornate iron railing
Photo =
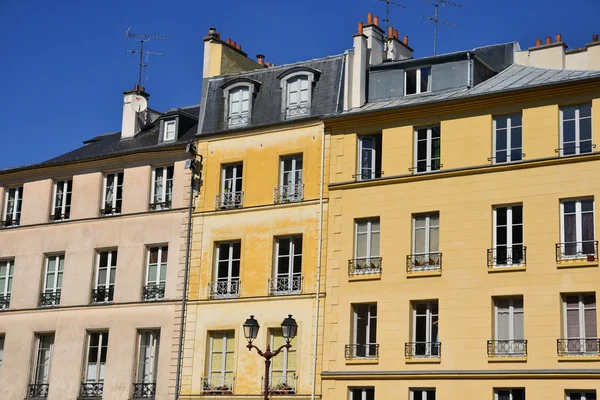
367 175
38 391
285 285
280 385
59 217
91 389
507 256
578 347
50 299
288 193
224 289
7 223
224 201
217 385
507 348
423 350
163 205
424 262
103 294
586 250
297 111
364 266
4 301
361 351
154 292
144 390
104 212
238 120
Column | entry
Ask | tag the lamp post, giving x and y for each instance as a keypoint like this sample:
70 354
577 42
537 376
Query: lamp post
289 327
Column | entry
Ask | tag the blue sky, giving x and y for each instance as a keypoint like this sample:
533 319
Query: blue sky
64 64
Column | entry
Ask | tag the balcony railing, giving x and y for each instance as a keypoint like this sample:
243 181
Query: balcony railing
507 348
38 391
285 285
92 390
59 217
578 347
4 301
217 385
163 205
103 294
50 299
423 262
154 292
503 256
586 250
225 201
224 289
7 223
297 111
288 193
423 350
361 351
280 385
144 390
364 266
238 119
110 211
367 175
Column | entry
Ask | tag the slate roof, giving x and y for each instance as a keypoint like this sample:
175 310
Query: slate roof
327 95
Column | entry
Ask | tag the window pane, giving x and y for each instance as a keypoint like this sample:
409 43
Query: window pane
569 112
568 131
585 110
411 81
501 122
425 79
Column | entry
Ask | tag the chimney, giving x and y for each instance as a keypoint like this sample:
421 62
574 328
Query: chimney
397 50
594 38
538 43
548 40
355 78
224 57
374 36
133 121
559 38
260 59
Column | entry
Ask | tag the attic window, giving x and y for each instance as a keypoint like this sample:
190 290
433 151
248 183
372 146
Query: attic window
417 80
239 106
170 131
297 97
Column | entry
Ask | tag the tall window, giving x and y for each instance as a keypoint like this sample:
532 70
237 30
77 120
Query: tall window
364 331
422 394
369 157
61 204
426 242
576 129
231 186
366 244
288 268
508 138
239 106
96 357
156 273
162 188
106 269
148 346
113 194
170 130
227 270
283 366
290 180
43 357
580 324
6 277
220 360
509 394
508 236
427 149
297 97
12 207
417 80
425 329
509 326
577 233
362 394
53 277
581 395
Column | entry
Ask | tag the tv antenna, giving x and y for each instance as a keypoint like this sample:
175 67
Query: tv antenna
436 21
389 3
142 38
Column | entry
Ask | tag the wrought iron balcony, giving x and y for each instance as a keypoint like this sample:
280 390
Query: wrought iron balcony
424 262
280 385
285 285
503 256
288 193
569 251
225 201
507 348
105 212
91 390
59 217
367 175
163 205
578 347
224 289
144 390
154 292
364 266
217 385
38 391
361 351
50 299
238 119
423 350
297 111
4 302
7 223
103 294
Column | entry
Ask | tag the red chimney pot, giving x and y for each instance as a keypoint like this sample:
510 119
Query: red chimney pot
559 38
395 33
239 47
260 59
548 40
369 18
234 44
376 21
228 41
538 42
360 28
595 37
405 40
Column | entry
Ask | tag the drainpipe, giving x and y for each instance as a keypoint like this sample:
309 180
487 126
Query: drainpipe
320 253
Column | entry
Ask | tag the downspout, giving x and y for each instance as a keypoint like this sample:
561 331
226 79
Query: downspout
469 70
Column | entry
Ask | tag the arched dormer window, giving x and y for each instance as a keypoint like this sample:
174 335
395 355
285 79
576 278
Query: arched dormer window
296 87
238 95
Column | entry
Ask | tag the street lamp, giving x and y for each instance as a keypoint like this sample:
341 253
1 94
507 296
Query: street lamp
289 328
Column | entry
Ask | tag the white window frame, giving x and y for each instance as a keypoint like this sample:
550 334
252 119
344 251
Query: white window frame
511 318
578 224
235 178
509 128
230 260
363 394
223 369
236 110
371 319
15 216
163 194
428 323
418 80
509 231
285 354
251 87
150 367
373 150
427 228
284 85
581 314
290 274
35 378
65 194
509 390
580 394
577 120
160 264
55 288
102 342
109 267
8 277
369 233
170 136
424 393
294 172
428 143
115 188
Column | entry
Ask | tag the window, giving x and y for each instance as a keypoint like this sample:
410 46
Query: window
239 106
162 188
426 243
581 395
417 80
96 357
231 186
1 349
422 394
425 330
579 325
12 207
369 157
298 96
147 368
576 129
508 138
227 282
220 362
113 194
61 205
106 269
53 277
366 246
508 236
170 131
362 394
283 366
364 332
509 394
428 149
509 328
156 273
577 233
41 366
288 266
6 277
290 187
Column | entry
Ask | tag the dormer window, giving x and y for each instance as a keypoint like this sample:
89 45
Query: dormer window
170 130
297 97
239 106
417 80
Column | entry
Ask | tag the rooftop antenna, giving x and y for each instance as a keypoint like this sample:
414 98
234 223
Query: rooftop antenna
142 38
436 21
389 3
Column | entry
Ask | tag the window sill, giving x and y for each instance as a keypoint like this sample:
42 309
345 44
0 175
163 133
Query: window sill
576 263
423 360
362 361
507 269
579 358
421 274
499 359
366 277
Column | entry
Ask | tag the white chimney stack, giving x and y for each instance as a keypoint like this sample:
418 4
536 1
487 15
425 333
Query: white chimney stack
396 49
374 36
133 121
